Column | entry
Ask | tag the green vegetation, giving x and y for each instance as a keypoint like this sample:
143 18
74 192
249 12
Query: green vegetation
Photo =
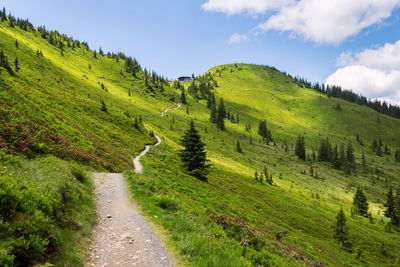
64 106
46 206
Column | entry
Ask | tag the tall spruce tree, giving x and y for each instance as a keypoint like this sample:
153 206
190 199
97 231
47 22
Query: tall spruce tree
390 204
238 147
221 114
193 156
360 203
300 149
183 96
340 230
16 65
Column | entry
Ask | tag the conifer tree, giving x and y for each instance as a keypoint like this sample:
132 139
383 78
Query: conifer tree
16 64
4 60
238 147
300 149
350 159
390 204
335 158
183 96
221 114
213 115
363 160
104 106
16 44
193 156
396 213
360 204
341 230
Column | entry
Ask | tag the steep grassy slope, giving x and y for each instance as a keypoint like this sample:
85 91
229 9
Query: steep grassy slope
52 105
59 98
234 220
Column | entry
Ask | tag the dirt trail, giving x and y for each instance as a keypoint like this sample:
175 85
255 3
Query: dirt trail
122 237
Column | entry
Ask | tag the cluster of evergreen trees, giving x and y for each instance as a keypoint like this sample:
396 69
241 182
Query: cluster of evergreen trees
132 66
378 148
264 132
340 158
202 86
300 148
219 114
264 176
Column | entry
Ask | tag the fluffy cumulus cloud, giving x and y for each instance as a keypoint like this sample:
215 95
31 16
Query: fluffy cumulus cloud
322 21
237 38
372 72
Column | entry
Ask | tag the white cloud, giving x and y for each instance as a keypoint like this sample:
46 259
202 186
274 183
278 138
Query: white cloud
322 21
372 72
231 7
386 57
329 21
237 38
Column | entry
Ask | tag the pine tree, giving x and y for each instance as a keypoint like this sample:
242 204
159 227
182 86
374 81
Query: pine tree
341 230
350 159
238 147
390 204
183 96
193 156
360 204
363 160
16 64
396 213
221 114
300 149
103 106
335 158
16 44
4 60
213 115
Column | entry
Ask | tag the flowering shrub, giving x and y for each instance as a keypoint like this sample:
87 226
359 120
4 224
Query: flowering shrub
31 139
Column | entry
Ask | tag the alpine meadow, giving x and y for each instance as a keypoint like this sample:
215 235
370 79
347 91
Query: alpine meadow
243 165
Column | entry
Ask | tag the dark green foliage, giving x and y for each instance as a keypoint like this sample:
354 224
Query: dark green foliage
341 230
238 147
104 106
300 150
397 155
4 60
221 114
193 156
390 204
360 204
264 131
183 96
35 216
350 164
16 65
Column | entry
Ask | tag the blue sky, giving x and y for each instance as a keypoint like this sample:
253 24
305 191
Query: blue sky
316 39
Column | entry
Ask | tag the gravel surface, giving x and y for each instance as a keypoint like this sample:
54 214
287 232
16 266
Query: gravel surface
122 237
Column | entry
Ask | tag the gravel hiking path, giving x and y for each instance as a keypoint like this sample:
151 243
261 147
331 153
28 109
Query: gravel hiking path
121 236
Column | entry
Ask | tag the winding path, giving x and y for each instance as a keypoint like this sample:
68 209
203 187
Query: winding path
122 237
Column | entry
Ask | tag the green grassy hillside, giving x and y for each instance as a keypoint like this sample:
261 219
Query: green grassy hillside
53 106
233 220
